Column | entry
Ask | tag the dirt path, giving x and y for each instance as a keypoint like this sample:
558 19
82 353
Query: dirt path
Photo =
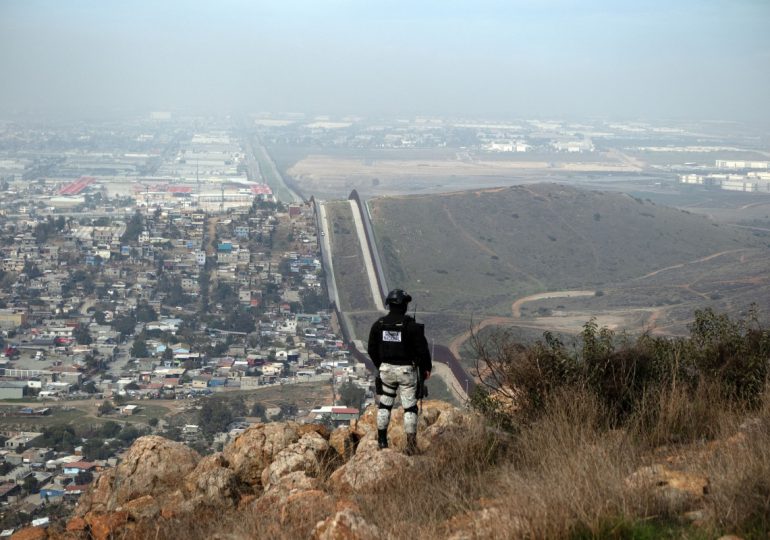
681 265
516 306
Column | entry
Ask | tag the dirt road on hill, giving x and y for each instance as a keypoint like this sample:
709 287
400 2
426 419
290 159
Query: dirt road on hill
696 261
516 306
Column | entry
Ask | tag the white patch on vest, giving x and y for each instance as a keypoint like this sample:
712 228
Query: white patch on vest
392 336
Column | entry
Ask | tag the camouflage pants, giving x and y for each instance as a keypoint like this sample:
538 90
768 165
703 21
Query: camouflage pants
401 379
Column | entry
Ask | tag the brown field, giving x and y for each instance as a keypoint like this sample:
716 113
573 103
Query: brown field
328 175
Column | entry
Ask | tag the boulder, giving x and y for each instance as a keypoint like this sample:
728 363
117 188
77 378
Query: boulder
675 488
145 507
307 454
30 533
151 466
254 449
436 419
321 429
346 524
370 469
212 482
305 503
76 524
485 523
286 486
103 526
344 441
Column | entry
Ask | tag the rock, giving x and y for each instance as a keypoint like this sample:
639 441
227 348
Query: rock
305 503
151 466
485 523
676 488
436 419
344 441
212 482
142 507
172 504
103 526
306 455
76 524
321 429
286 486
346 525
30 533
253 450
98 496
370 469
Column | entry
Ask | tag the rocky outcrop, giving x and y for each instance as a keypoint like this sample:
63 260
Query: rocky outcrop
437 419
291 473
370 469
255 448
307 455
346 524
212 480
150 467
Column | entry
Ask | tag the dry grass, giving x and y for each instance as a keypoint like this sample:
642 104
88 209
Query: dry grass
563 475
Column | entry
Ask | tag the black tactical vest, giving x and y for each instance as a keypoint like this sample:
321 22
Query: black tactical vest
394 348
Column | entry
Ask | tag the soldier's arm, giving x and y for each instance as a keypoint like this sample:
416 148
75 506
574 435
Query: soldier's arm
421 349
373 345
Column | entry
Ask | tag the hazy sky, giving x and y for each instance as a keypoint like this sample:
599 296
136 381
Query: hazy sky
707 59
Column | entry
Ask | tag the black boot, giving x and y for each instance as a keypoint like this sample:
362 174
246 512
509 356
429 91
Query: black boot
411 444
382 438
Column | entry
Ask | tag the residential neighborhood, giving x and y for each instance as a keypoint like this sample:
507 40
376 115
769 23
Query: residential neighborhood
159 292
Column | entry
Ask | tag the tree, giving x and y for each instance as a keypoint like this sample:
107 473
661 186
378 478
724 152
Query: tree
214 416
351 394
125 324
30 484
139 349
105 407
82 335
145 313
94 448
134 228
109 429
129 434
258 410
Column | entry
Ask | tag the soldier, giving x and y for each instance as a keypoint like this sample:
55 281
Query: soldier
399 350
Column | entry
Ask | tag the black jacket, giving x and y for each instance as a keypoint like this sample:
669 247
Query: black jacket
397 339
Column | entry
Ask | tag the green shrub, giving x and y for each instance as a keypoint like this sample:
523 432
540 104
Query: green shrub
665 387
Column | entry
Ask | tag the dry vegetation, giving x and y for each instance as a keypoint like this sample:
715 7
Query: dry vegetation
649 438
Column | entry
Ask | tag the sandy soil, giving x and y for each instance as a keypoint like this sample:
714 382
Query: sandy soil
330 168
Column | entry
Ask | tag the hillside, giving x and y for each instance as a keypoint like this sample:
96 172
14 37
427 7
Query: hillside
478 251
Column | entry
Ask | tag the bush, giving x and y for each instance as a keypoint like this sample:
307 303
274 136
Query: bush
665 387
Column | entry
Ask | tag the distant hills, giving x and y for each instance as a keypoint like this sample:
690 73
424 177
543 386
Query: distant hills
477 251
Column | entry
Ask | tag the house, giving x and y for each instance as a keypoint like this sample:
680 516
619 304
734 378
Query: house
77 467
338 415
128 410
22 440
9 489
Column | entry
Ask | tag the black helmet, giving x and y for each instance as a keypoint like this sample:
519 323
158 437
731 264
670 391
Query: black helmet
397 297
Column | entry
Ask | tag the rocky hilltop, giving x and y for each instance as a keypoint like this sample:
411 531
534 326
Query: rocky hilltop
298 472
562 476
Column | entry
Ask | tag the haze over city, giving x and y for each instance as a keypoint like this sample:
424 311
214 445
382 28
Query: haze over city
400 269
655 59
